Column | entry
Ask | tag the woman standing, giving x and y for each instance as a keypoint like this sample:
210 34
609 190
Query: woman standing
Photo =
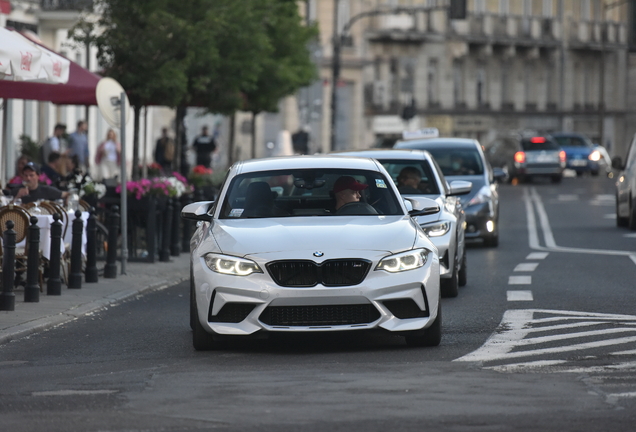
108 156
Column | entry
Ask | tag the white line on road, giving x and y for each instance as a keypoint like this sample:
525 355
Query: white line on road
519 296
526 267
568 197
633 258
610 216
627 352
630 235
72 392
519 280
537 255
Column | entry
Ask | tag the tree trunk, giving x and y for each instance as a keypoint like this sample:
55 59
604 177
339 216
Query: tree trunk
230 144
181 150
253 131
135 160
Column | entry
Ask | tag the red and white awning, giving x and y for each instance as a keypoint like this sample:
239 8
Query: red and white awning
23 60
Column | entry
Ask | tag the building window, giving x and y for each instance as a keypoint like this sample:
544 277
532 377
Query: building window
458 83
344 13
548 9
585 10
480 86
505 83
431 83
504 7
479 6
311 10
527 8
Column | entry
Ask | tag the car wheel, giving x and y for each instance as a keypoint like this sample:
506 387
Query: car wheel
431 336
201 339
450 287
620 221
557 178
632 215
463 272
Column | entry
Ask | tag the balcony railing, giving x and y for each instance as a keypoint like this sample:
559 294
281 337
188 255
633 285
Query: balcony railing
65 5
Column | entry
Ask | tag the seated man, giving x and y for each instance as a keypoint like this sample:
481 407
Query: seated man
53 168
347 190
31 190
409 180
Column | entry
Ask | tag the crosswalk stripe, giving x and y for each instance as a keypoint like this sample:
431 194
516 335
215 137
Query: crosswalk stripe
519 296
526 267
519 280
537 255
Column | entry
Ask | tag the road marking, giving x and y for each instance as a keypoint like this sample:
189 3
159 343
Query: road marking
630 235
610 216
526 267
622 395
533 197
519 280
603 200
73 392
633 258
510 340
519 296
537 255
628 352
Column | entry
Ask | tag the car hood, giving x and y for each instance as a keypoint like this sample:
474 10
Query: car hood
478 182
258 236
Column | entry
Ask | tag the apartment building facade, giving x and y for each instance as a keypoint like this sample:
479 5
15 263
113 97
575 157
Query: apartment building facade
510 65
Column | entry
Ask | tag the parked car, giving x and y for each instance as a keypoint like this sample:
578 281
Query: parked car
526 157
464 159
416 174
582 155
626 188
278 253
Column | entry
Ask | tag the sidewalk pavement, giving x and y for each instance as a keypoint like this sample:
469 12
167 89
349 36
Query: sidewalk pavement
50 311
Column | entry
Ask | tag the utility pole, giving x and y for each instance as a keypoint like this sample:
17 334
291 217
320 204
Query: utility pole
335 75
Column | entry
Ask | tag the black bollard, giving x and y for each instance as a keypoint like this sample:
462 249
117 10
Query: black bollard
110 270
75 278
32 288
186 224
90 274
54 283
164 253
175 243
7 297
151 229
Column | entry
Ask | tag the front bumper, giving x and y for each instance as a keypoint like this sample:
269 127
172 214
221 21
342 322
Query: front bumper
236 305
477 222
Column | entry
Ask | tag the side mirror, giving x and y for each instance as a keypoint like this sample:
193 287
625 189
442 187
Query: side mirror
499 174
460 187
197 211
421 206
617 163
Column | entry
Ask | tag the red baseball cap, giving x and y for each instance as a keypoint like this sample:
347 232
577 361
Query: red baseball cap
347 182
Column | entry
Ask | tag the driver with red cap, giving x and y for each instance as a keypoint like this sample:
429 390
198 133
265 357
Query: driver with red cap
347 190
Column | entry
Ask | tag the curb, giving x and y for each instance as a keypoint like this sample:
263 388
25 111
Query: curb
37 325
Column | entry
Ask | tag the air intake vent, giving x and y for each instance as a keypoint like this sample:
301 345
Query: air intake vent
328 315
305 273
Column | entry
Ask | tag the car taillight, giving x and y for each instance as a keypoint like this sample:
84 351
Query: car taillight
537 140
520 157
562 156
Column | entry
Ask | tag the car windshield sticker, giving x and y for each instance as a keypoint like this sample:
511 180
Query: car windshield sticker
379 183
236 212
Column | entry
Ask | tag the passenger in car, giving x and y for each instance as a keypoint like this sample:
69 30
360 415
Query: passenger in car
347 190
408 180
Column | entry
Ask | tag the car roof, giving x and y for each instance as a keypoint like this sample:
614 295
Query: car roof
435 143
410 154
567 134
306 162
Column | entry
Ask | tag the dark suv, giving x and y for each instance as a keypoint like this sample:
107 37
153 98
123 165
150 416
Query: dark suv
525 157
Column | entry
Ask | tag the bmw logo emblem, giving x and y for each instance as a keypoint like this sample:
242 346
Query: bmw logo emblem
318 254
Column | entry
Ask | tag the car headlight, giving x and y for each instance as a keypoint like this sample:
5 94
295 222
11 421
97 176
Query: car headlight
403 261
483 196
595 156
437 229
230 265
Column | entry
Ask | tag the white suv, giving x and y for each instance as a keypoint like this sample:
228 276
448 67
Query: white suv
626 188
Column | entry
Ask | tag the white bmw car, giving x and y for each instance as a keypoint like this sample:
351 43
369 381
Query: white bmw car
279 252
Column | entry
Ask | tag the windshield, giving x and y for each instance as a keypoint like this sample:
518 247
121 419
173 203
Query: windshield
458 161
412 177
533 144
569 141
309 192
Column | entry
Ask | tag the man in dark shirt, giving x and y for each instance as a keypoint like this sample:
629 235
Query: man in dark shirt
204 145
31 190
52 168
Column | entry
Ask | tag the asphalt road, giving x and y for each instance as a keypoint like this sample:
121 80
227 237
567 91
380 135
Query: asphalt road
543 337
